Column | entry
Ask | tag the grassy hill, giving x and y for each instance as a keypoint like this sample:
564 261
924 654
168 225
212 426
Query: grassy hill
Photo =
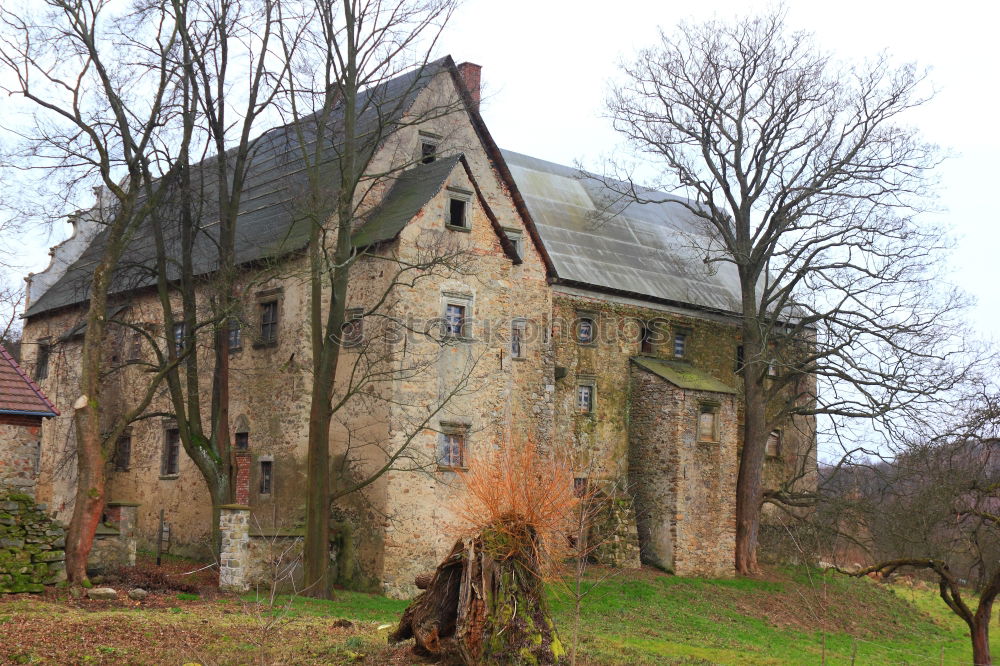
793 616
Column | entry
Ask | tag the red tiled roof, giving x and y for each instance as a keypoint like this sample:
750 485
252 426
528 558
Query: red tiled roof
18 393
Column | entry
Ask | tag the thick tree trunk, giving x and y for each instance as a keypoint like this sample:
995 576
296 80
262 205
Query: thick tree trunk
89 494
749 488
316 548
90 459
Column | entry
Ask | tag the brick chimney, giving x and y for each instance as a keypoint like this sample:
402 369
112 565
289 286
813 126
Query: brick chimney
470 73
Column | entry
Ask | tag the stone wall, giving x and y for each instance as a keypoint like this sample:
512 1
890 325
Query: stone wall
234 528
19 451
31 545
115 540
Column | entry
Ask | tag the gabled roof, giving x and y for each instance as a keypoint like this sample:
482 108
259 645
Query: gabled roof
683 375
269 223
19 394
652 250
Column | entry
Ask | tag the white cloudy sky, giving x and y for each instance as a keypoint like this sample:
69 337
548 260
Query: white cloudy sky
546 64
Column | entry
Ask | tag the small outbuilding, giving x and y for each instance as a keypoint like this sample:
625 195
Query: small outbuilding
23 407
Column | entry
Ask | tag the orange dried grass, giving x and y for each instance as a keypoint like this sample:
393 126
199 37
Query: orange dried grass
524 498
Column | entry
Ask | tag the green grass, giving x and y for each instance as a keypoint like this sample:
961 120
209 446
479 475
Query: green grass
797 619
356 606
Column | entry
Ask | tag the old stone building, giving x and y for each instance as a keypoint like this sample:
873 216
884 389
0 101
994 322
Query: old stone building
553 321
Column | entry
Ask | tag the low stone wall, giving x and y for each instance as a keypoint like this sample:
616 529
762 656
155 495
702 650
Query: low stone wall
32 545
234 528
274 558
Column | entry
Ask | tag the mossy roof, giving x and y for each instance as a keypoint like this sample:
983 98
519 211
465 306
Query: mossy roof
411 192
683 375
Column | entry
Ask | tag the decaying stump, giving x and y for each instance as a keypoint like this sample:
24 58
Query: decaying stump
484 604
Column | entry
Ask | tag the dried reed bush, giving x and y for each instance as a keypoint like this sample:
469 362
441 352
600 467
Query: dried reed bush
522 504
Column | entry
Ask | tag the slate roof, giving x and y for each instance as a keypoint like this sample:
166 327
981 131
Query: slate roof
645 249
19 394
682 375
268 224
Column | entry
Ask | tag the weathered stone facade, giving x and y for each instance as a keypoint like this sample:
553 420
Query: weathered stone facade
19 452
470 383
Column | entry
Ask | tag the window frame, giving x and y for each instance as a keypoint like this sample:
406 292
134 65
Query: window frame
425 138
268 331
178 336
171 441
465 198
243 435
234 331
123 461
517 240
591 321
43 358
680 341
265 480
712 408
646 338
591 385
518 338
778 439
457 433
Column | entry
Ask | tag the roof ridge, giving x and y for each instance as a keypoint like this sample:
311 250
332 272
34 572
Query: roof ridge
27 380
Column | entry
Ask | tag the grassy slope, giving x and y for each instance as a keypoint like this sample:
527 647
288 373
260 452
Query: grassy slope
639 618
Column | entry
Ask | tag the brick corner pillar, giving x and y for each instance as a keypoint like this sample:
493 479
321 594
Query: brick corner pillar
234 532
242 491
123 515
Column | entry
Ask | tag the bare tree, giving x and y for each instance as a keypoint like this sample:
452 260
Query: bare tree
935 507
805 181
99 106
344 112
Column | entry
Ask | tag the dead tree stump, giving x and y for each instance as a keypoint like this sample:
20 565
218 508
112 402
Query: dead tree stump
484 605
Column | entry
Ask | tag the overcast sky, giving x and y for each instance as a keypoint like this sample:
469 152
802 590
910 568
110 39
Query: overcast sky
546 66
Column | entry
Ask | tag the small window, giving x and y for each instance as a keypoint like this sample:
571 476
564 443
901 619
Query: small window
517 240
353 331
585 398
773 447
170 465
739 359
179 333
452 450
457 213
580 486
269 322
242 441
680 344
42 360
646 339
454 320
265 477
428 151
708 423
518 328
123 453
235 334
585 330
